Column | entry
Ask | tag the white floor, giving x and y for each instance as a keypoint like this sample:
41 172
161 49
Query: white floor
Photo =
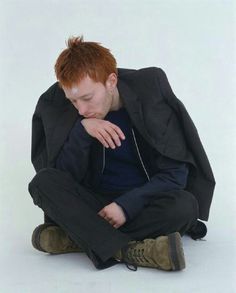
24 270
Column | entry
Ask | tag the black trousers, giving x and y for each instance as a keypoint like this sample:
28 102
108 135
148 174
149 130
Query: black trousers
74 208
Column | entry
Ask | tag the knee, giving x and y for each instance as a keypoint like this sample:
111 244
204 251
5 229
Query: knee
43 173
45 176
186 207
40 180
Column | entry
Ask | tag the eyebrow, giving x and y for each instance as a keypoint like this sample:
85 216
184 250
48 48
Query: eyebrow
81 96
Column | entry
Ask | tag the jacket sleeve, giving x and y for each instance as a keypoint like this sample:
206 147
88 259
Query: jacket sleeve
171 176
38 141
74 155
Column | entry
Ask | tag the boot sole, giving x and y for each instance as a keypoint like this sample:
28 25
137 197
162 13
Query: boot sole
35 239
176 251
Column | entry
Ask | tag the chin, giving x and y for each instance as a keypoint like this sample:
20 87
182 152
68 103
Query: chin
91 116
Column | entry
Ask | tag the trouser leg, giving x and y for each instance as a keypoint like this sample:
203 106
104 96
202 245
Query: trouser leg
75 210
168 212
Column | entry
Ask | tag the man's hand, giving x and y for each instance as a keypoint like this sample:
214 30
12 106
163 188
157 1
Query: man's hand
106 132
114 214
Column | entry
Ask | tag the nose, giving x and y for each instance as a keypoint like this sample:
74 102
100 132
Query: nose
81 112
82 109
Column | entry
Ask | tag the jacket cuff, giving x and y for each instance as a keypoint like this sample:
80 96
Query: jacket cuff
123 208
78 126
130 210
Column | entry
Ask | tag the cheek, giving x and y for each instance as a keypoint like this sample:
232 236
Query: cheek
107 102
101 104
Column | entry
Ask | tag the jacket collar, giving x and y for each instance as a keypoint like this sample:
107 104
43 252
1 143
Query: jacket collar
133 106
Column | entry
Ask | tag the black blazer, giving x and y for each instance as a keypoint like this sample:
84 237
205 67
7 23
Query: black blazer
158 115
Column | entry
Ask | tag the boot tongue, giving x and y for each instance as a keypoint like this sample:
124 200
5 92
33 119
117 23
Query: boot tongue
118 257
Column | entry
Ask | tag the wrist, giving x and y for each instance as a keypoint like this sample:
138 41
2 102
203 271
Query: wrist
123 210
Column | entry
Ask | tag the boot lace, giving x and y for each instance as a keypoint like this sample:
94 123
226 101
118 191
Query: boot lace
133 254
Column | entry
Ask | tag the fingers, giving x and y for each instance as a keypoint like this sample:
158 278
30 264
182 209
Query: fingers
102 140
108 136
112 222
111 135
104 137
118 131
103 214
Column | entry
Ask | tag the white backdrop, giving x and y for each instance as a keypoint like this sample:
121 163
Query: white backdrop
193 41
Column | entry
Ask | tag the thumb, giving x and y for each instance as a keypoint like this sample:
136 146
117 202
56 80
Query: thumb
101 213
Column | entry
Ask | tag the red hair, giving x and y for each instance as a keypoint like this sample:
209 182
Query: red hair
84 58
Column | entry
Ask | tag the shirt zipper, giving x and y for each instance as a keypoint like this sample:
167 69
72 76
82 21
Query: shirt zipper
140 155
140 158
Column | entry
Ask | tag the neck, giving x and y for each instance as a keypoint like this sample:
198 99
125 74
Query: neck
116 101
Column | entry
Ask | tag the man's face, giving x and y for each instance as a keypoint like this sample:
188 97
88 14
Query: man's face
91 99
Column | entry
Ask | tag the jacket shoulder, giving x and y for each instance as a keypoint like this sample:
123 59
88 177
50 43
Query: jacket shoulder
53 95
140 75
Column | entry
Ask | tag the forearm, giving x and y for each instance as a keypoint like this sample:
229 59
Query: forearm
135 200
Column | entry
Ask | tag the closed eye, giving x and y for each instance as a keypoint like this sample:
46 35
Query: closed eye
88 99
74 101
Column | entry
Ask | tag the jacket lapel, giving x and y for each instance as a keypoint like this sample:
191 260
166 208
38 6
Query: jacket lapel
134 108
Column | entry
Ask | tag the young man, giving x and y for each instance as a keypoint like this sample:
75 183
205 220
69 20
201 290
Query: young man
121 171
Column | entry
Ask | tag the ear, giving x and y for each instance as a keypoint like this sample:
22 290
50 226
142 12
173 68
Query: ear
111 81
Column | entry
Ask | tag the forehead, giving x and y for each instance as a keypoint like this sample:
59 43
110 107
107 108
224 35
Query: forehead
82 88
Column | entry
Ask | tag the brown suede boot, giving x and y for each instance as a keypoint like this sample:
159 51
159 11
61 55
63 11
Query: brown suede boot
52 239
164 252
